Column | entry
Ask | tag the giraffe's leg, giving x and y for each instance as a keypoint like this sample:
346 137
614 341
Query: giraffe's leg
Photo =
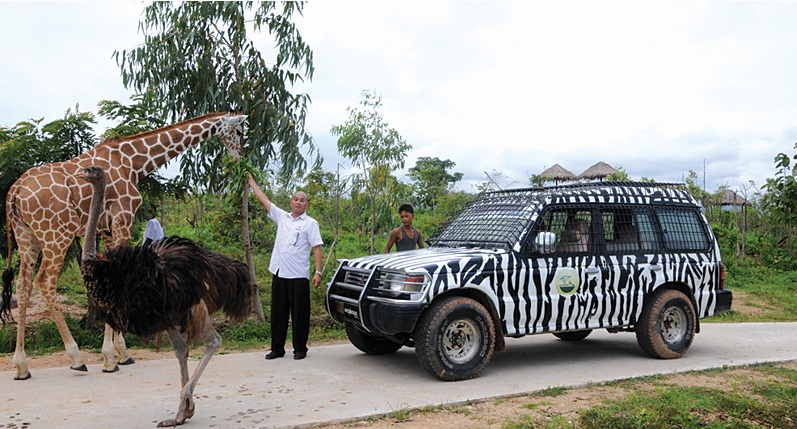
109 364
114 341
45 284
121 349
28 254
23 298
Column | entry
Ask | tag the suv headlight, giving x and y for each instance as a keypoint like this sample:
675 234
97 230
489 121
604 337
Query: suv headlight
402 285
404 282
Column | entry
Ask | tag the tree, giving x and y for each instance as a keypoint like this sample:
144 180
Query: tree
145 114
781 196
619 175
495 182
197 58
372 147
694 188
433 179
536 181
73 133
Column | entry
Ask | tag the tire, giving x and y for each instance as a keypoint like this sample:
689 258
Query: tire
666 328
573 335
370 344
455 339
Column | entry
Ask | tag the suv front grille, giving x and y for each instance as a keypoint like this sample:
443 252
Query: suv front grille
349 284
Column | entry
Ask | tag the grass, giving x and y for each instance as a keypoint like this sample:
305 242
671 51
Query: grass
773 292
750 397
696 407
551 392
400 415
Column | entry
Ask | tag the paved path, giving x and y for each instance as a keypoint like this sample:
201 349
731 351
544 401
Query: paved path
338 382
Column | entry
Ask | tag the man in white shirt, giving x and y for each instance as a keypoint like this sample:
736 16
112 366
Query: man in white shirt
297 235
154 231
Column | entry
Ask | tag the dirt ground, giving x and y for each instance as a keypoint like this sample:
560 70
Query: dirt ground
492 414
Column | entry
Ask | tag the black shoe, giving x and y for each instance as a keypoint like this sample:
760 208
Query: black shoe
299 355
274 355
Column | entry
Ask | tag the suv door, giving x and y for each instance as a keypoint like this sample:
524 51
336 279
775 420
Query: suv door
630 262
562 273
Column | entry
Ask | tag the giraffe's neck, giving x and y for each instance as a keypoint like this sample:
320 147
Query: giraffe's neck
146 152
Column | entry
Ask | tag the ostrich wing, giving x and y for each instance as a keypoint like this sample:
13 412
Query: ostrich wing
146 290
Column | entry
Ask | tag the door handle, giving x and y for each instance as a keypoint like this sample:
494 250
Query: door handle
656 267
592 270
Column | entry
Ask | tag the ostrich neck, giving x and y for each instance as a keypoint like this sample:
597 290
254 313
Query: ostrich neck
97 200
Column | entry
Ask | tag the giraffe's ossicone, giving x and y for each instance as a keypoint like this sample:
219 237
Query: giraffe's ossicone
48 206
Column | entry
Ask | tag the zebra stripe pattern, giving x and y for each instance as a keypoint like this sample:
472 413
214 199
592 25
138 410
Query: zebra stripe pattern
534 293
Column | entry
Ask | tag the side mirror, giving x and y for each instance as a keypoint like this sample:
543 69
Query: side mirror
545 242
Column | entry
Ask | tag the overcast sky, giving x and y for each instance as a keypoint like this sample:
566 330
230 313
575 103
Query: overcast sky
510 86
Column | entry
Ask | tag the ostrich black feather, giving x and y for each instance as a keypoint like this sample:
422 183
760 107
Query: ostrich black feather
172 285
146 290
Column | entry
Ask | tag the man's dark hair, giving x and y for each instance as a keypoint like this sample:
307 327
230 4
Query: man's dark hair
406 208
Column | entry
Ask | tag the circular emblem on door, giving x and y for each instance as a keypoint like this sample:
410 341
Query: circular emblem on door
567 281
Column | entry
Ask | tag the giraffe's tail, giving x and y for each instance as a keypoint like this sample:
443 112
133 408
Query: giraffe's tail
5 301
8 274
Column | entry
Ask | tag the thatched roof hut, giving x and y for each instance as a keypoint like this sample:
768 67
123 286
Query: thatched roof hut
730 198
598 171
556 173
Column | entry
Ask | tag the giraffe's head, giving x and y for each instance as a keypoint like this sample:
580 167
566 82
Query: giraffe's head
230 131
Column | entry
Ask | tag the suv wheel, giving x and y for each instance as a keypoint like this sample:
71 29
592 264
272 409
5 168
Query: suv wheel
573 335
370 344
666 327
455 339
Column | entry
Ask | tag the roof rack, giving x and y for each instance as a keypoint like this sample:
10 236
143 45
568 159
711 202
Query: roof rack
588 185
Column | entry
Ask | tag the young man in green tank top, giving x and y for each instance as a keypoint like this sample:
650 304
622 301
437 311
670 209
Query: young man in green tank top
406 236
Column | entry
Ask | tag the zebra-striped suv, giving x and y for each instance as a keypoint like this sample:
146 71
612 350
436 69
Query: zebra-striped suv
620 256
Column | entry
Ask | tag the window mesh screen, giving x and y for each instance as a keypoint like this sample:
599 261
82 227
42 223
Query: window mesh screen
497 221
620 230
682 229
572 226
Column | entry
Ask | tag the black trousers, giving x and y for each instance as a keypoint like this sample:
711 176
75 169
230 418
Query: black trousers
290 299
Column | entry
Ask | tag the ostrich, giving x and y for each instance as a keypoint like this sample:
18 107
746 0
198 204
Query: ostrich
173 285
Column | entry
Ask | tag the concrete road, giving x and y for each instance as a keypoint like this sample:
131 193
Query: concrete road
338 382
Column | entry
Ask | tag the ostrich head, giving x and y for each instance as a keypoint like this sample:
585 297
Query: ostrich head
96 176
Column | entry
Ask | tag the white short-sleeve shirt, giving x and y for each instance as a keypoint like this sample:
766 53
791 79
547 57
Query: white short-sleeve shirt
154 231
294 242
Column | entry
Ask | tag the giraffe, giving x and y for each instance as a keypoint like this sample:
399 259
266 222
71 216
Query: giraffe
48 206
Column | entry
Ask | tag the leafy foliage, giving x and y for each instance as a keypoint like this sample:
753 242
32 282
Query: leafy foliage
198 57
433 179
619 175
376 150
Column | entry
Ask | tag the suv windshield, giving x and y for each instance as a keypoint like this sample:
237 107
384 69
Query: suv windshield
495 222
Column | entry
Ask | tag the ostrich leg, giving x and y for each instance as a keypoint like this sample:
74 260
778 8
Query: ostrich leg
212 342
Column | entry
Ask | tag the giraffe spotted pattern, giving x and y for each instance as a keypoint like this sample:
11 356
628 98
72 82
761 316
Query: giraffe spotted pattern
48 206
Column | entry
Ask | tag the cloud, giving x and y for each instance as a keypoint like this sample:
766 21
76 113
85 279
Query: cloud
515 86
